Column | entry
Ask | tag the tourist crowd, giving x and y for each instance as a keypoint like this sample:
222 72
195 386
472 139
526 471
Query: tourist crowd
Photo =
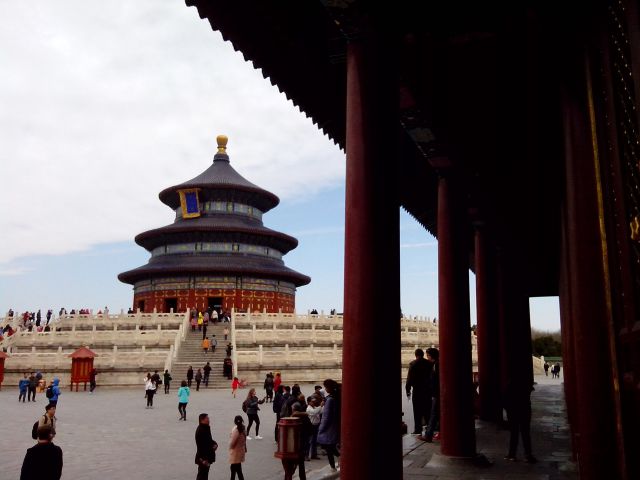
319 415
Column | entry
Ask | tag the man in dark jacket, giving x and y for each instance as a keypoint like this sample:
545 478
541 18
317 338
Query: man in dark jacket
287 407
419 378
33 383
205 447
299 411
433 356
207 372
43 461
518 406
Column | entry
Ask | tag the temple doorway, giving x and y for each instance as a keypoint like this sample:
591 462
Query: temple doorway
141 305
215 303
170 303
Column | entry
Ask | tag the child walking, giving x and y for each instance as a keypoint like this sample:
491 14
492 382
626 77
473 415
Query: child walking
234 386
183 399
237 448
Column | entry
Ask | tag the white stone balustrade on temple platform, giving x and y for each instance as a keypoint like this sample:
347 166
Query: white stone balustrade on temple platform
308 347
127 346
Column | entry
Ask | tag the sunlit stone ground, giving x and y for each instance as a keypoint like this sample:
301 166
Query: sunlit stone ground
111 435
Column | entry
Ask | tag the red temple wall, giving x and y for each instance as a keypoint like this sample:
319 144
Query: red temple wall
231 298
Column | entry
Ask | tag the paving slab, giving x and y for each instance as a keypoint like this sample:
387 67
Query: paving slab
110 434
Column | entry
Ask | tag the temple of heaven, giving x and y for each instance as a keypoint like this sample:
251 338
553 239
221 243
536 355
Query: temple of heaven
217 253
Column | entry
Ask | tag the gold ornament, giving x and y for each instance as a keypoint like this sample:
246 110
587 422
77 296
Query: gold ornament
635 229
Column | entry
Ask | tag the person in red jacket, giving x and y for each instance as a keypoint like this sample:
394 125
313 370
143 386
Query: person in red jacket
234 386
277 382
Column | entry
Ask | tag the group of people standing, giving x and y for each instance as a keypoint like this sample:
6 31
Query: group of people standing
206 447
44 459
200 319
423 387
555 370
319 414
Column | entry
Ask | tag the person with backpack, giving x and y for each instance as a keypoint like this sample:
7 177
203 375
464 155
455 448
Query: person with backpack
250 407
167 381
48 419
150 389
53 391
206 447
183 398
23 386
237 448
43 461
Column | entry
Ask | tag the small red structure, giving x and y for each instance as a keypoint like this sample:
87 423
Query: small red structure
2 357
289 445
81 366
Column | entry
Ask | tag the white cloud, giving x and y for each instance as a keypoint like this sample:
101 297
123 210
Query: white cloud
419 245
14 271
313 232
105 104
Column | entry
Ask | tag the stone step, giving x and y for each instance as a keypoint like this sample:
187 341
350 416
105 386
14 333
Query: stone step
191 353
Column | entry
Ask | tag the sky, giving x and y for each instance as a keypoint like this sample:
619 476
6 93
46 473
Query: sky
104 104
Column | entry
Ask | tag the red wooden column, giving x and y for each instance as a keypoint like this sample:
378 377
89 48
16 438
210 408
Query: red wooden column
600 445
488 328
371 442
568 364
457 426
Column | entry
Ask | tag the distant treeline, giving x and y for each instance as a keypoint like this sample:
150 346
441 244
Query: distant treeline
546 343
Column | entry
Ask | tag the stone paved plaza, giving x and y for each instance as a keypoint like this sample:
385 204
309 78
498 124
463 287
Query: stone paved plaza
110 435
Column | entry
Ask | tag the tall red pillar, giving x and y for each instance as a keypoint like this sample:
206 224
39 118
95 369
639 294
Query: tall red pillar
371 442
457 426
600 445
488 328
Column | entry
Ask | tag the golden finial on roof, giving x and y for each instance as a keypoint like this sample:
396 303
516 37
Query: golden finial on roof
222 143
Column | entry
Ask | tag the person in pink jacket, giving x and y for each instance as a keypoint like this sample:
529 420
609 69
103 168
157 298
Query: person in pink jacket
237 447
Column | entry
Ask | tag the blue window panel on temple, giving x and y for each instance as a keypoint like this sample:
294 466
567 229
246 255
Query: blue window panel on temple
191 201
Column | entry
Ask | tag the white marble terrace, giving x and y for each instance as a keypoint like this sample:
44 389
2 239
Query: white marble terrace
304 347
